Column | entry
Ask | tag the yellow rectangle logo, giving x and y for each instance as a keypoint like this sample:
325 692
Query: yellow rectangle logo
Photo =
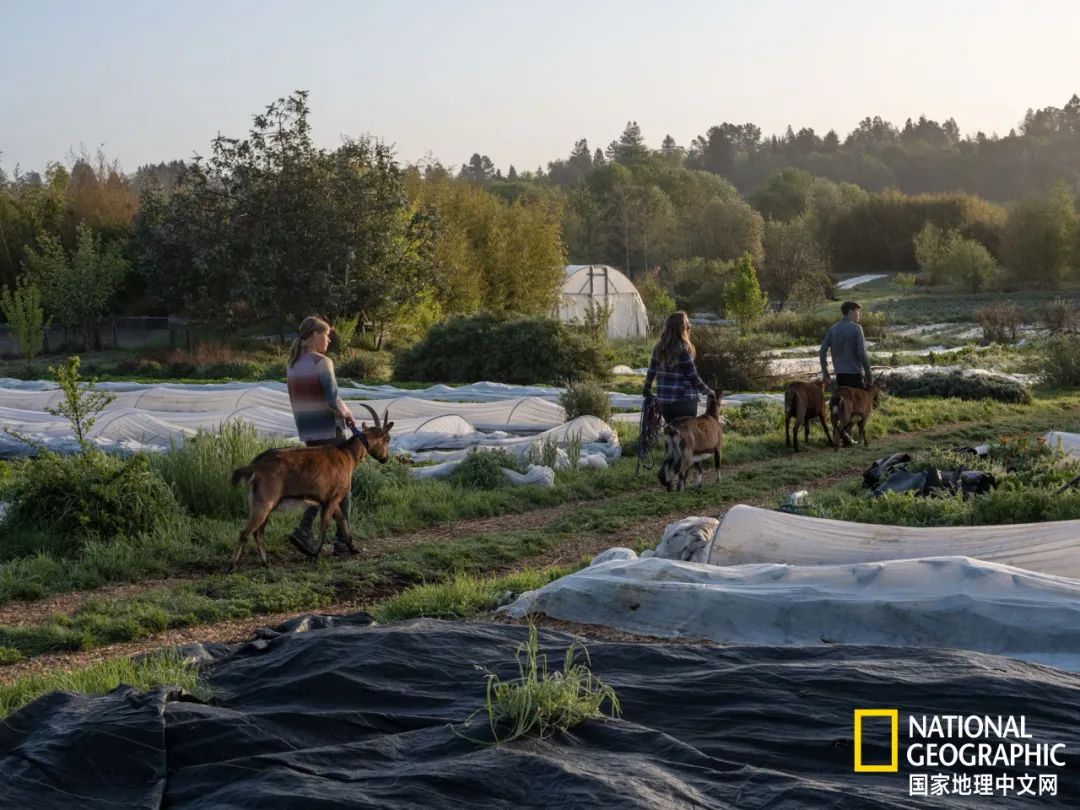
894 762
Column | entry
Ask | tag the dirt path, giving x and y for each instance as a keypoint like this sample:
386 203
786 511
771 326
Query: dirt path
571 550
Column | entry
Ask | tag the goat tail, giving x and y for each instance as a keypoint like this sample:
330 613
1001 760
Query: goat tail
241 474
834 402
789 400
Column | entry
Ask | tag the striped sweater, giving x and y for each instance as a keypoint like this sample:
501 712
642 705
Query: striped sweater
313 394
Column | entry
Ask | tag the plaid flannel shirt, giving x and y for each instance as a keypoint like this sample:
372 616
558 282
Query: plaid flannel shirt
676 383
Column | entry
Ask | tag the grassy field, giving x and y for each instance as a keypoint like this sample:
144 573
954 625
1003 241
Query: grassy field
435 548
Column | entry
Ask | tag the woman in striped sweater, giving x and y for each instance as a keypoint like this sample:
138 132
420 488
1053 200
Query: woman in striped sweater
321 416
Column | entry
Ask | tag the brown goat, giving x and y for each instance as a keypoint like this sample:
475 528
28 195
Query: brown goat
853 406
804 401
291 477
684 439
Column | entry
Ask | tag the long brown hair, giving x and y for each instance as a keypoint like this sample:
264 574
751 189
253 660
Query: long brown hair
308 327
673 339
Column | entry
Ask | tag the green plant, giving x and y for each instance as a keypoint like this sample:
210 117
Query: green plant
482 469
1061 361
573 449
586 398
758 417
543 452
64 502
485 346
23 311
9 655
905 281
344 329
744 302
540 702
81 404
198 469
97 679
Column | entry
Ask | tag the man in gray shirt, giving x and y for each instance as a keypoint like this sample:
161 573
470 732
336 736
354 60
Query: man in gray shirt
849 357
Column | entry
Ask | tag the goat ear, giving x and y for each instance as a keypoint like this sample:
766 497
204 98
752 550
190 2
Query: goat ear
363 425
387 426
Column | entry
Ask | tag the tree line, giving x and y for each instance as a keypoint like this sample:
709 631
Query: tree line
268 228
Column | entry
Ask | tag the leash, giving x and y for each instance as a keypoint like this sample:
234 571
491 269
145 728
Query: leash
360 435
648 432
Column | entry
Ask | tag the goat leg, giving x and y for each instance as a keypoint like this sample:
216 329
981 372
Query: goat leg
825 427
344 534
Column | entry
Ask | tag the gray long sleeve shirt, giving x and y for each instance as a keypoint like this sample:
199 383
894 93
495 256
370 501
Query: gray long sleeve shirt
848 345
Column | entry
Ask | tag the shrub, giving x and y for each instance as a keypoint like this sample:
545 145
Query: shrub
744 302
905 281
482 469
370 480
69 500
1060 316
586 398
959 385
755 418
802 326
999 322
728 362
363 365
485 346
1061 362
344 329
23 311
81 403
198 470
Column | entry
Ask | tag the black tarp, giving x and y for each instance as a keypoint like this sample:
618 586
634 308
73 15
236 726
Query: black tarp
358 716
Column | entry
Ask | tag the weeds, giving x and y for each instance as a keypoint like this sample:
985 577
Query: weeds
540 702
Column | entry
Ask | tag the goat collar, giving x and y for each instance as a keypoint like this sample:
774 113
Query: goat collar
360 435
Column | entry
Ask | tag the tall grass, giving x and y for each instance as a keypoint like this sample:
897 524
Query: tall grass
463 596
99 678
540 702
198 470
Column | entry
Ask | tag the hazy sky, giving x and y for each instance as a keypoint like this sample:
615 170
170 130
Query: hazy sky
518 81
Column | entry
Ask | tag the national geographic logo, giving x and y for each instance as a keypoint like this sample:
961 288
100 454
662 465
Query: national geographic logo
975 749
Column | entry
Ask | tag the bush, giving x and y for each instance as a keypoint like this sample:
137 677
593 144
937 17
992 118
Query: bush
999 322
363 365
1060 316
757 417
482 469
66 501
727 362
371 480
23 311
486 346
802 326
198 470
1061 362
959 385
586 399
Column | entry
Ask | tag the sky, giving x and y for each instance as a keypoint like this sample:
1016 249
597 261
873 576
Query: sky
517 81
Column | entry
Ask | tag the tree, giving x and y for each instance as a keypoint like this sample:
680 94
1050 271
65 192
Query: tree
630 148
1039 235
76 290
793 262
271 227
479 169
784 195
743 300
23 311
970 264
658 302
81 404
932 247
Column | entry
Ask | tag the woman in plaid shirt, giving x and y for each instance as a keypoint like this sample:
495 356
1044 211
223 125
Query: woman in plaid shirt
672 365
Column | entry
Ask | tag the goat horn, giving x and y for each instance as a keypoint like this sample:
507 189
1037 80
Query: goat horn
370 410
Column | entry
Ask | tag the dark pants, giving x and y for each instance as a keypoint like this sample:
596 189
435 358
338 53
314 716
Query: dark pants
679 409
305 528
850 380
